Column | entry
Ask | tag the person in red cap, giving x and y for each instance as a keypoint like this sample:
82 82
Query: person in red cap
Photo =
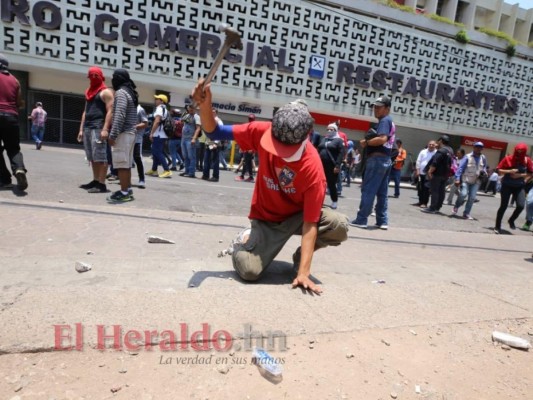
289 192
94 128
515 168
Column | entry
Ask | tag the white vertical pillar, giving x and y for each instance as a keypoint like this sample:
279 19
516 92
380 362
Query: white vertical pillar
449 9
508 24
431 6
524 28
494 22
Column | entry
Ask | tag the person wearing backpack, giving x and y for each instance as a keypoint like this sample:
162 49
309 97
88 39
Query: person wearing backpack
158 137
468 177
438 173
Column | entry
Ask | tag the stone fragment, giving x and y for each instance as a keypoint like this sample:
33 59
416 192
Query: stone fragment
158 239
82 267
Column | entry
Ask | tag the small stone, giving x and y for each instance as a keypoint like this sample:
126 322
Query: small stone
191 284
506 347
412 332
18 388
381 371
220 241
385 342
530 333
311 341
400 373
82 267
89 252
101 365
115 389
417 389
61 201
158 239
394 395
311 346
223 369
123 371
350 355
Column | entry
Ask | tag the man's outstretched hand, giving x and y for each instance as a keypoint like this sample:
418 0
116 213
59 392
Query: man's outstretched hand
201 94
306 283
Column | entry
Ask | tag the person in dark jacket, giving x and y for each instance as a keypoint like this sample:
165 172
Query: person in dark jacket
438 173
331 151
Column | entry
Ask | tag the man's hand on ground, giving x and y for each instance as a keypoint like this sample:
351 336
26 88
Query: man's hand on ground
306 283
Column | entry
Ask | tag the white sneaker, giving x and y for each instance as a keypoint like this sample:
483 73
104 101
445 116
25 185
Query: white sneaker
384 227
141 185
334 205
372 214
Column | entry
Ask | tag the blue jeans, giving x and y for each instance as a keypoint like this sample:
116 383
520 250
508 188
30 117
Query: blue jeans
529 206
174 147
158 154
396 175
470 190
375 185
188 151
37 133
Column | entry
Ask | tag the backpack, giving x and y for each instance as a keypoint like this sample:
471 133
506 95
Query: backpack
454 166
169 126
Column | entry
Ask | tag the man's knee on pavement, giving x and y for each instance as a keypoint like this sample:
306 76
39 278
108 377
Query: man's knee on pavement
247 265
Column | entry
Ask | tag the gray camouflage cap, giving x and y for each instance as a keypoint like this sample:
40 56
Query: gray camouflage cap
292 123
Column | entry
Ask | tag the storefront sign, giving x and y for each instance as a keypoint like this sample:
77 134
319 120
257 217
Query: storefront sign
487 144
380 80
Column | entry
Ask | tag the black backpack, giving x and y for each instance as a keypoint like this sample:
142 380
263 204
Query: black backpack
169 126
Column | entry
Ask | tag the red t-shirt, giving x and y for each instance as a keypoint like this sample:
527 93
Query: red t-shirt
283 188
344 138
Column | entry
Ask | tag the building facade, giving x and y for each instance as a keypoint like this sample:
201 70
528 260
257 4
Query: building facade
336 55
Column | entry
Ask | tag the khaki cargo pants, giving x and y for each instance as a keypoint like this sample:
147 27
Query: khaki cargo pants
267 239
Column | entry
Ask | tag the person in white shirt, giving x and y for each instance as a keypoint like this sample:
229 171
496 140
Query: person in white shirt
423 159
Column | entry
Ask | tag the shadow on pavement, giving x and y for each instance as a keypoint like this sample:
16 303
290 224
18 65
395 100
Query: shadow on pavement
278 273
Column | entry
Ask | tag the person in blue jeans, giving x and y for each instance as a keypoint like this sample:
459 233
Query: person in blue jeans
38 121
378 144
467 177
191 131
174 142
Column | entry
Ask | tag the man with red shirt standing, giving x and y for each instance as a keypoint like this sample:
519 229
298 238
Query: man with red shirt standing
10 102
289 192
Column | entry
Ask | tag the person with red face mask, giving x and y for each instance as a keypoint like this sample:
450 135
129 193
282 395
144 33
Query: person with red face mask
515 168
94 128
